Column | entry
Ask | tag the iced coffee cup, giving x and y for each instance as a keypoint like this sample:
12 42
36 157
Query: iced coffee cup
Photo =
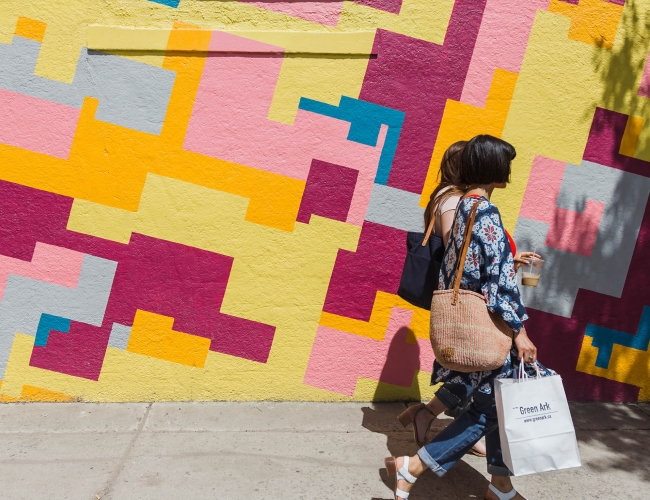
531 272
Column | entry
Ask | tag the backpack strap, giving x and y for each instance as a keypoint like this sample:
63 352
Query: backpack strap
429 231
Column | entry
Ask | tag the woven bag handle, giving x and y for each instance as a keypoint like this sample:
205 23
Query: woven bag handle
461 261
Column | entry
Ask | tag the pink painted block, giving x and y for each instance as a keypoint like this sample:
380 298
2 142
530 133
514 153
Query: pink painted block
542 189
38 125
575 231
644 88
322 12
49 263
230 121
568 230
338 358
501 43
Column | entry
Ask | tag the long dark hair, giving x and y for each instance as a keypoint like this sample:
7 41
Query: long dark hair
486 159
450 180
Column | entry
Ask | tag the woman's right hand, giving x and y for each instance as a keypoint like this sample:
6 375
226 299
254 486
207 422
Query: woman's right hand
526 348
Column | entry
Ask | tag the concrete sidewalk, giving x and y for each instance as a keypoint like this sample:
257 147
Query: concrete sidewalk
279 450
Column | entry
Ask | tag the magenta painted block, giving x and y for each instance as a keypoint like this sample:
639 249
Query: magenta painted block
328 192
418 77
604 142
376 265
392 6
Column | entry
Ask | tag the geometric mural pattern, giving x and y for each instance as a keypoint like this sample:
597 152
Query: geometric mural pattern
210 200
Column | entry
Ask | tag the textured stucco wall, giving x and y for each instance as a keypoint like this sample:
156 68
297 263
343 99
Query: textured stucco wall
209 199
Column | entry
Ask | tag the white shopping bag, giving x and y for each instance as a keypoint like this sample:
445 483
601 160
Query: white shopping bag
535 425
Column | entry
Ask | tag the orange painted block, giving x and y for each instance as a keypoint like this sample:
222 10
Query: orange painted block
631 136
29 28
377 326
592 21
31 393
152 335
461 122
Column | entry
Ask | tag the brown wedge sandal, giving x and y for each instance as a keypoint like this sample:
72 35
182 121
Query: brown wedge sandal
408 417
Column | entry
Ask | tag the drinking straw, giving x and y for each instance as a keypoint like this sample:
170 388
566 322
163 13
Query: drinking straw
531 260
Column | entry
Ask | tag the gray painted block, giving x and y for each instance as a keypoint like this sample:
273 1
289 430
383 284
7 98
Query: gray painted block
625 196
395 208
131 94
120 335
25 299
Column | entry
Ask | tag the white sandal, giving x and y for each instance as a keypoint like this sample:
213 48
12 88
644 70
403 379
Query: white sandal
500 495
402 473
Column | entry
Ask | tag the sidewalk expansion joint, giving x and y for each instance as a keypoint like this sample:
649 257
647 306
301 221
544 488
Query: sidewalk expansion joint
112 480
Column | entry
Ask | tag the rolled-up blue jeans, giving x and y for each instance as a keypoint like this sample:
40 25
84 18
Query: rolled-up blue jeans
456 397
449 446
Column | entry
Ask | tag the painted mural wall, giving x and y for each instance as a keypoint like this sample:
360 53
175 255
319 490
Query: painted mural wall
208 200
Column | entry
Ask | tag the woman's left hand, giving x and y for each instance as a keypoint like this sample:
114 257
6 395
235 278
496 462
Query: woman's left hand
523 258
526 349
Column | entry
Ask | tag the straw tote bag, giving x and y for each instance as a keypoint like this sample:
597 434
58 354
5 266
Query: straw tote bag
465 336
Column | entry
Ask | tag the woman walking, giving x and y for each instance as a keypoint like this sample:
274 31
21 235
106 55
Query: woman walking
450 398
489 269
440 209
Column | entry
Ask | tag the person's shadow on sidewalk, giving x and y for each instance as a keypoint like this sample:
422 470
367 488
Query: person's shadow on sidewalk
462 481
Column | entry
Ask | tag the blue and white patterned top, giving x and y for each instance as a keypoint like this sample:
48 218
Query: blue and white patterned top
489 270
489 266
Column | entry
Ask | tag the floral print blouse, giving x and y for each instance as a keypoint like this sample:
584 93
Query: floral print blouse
489 266
489 270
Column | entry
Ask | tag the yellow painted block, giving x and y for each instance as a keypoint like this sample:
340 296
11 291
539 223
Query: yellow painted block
30 28
114 38
31 393
592 21
152 335
631 136
423 19
372 390
376 327
626 365
7 399
461 122
324 78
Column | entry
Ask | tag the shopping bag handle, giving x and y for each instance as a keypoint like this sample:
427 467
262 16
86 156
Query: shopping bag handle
520 374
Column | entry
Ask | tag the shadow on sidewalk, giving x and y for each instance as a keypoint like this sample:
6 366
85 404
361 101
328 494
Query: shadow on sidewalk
461 482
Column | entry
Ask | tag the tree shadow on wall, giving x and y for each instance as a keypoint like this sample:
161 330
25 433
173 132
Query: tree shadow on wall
463 481
620 72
